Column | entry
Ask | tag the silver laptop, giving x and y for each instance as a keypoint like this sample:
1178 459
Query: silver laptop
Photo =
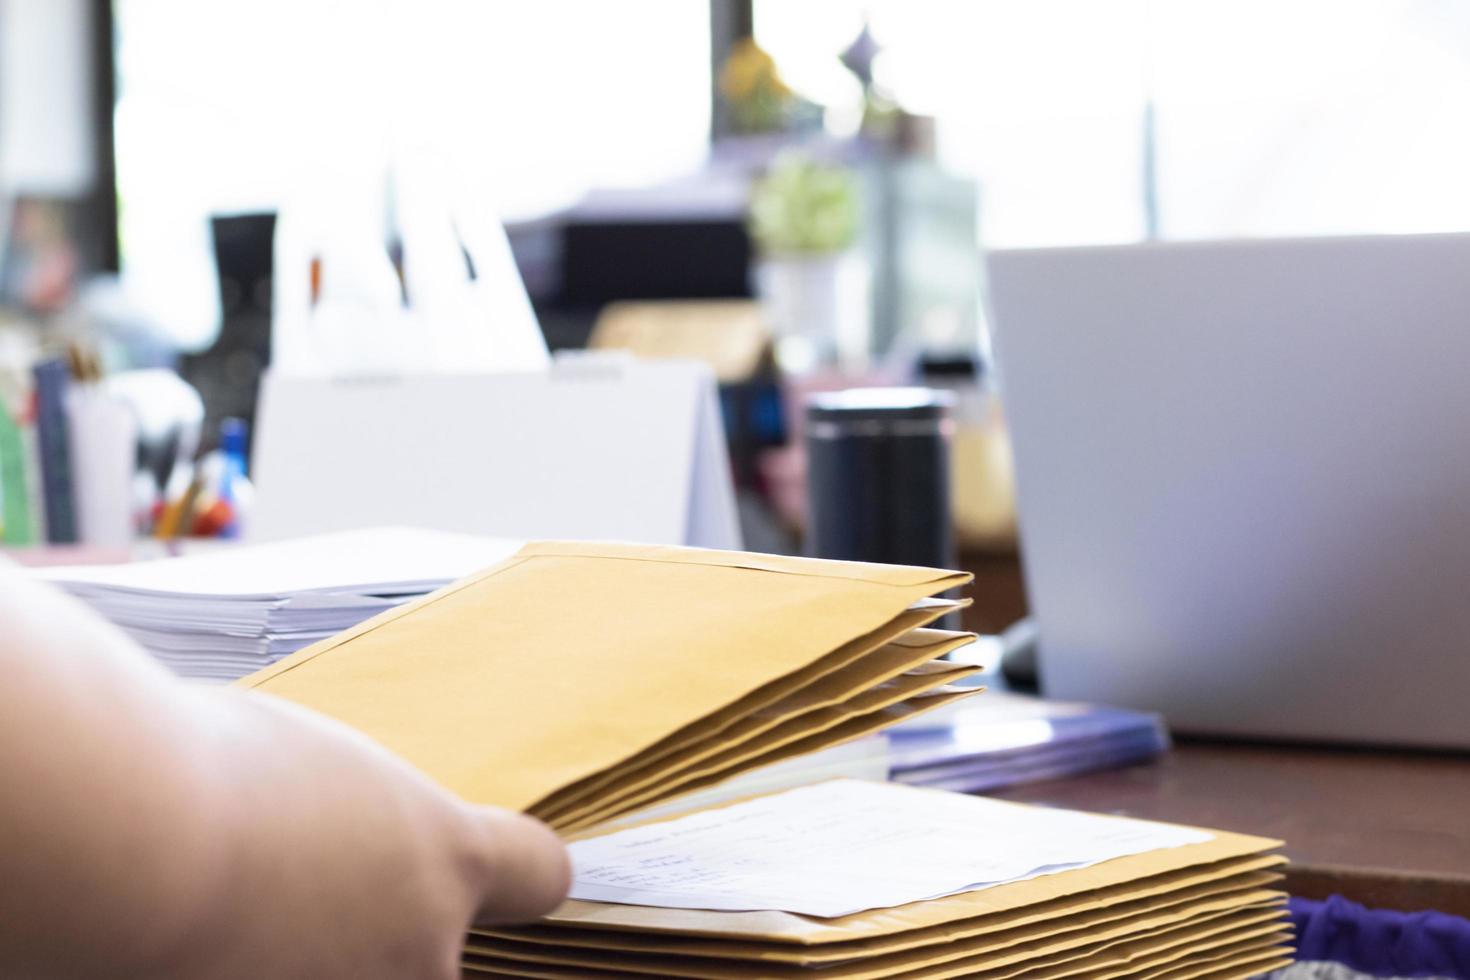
1244 480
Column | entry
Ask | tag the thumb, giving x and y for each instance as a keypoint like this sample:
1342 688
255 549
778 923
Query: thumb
523 867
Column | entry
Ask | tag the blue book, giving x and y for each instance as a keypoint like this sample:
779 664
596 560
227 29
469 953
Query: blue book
1000 739
58 491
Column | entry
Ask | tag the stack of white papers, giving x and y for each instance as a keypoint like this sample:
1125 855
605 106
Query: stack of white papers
222 615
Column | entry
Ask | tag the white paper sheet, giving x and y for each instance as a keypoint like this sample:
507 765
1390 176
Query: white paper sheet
385 559
232 610
847 846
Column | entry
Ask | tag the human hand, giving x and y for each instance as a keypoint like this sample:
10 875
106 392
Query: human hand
154 829
348 862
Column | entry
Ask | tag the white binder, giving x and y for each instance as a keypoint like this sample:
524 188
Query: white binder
594 448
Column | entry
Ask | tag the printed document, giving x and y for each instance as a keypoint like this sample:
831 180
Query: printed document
847 846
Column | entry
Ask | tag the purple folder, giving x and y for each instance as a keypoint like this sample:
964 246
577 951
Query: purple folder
1000 739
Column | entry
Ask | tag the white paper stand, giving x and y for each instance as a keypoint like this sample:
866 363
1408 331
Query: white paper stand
594 448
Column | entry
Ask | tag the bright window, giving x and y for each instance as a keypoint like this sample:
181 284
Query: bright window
231 105
1270 118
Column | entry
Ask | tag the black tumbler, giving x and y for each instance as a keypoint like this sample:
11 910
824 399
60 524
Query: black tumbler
878 476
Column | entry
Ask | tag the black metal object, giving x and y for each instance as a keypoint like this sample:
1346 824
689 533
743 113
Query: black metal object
878 476
227 375
687 258
104 102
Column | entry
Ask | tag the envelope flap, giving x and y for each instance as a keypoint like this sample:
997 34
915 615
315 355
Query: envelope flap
555 665
898 575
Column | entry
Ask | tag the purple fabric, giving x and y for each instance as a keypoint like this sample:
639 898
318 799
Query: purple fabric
1380 942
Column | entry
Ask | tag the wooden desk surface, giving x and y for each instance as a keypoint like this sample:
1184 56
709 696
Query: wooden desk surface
1388 829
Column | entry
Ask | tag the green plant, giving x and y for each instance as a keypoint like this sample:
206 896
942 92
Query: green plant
802 207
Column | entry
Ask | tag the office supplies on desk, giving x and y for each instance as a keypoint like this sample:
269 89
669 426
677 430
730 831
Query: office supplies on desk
1244 495
80 450
224 613
169 415
597 448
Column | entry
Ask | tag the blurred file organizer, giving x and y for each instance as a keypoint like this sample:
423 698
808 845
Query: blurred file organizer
1009 739
226 613
68 451
599 447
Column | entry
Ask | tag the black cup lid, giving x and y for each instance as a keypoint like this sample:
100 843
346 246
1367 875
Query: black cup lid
883 404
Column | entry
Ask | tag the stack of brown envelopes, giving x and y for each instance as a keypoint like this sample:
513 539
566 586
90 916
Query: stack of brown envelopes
583 683
1201 910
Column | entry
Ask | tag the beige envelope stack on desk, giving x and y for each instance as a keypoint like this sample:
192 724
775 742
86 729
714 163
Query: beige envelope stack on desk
1202 908
585 683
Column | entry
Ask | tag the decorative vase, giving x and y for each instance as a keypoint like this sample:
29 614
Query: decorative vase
817 308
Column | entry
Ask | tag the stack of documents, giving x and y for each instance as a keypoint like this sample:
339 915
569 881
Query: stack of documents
583 682
860 880
1008 739
589 684
229 612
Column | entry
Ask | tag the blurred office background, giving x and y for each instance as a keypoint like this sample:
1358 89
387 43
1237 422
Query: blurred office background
799 193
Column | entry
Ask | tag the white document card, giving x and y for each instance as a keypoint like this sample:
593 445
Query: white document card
846 846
